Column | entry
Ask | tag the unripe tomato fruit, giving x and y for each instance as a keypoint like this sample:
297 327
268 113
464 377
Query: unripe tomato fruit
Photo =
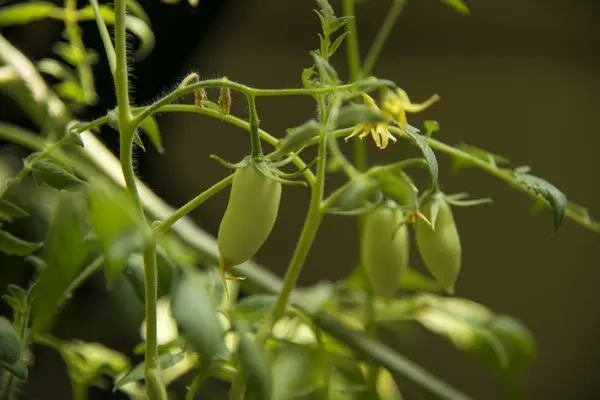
249 217
385 249
440 248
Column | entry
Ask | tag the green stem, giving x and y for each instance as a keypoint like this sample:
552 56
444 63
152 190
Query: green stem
254 135
82 277
80 391
382 36
105 36
352 49
192 204
121 72
196 384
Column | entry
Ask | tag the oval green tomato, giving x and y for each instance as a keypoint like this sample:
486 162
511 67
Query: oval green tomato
385 249
440 248
249 217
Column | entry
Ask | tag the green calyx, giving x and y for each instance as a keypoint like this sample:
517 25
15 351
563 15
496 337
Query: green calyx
269 168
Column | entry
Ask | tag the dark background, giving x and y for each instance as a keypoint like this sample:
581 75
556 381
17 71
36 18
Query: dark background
518 77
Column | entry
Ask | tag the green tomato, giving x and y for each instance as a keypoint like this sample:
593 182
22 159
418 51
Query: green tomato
385 249
440 248
249 217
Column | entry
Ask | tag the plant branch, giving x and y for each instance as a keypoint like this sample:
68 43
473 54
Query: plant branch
105 36
382 36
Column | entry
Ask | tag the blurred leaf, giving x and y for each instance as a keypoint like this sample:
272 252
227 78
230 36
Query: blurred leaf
18 369
10 343
57 70
397 188
65 253
134 272
165 360
428 154
86 362
386 386
151 129
308 77
291 372
196 315
12 245
25 13
411 280
431 127
55 176
73 54
253 364
298 136
361 193
135 25
326 71
545 189
357 113
254 307
10 210
70 90
118 227
138 10
458 5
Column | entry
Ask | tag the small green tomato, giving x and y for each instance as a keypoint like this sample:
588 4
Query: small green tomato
440 248
385 249
249 217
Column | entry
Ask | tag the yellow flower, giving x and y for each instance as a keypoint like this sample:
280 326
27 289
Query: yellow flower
378 130
399 104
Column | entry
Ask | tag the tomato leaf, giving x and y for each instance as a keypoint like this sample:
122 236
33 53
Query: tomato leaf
428 154
151 129
196 315
10 343
556 199
253 364
12 245
458 5
55 176
65 253
165 360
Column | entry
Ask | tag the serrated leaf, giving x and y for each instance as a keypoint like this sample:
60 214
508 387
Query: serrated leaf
65 253
165 361
253 364
429 156
458 5
556 199
10 343
151 129
14 246
326 71
336 43
55 176
357 113
196 315
11 210
307 77
25 13
119 228
338 23
135 25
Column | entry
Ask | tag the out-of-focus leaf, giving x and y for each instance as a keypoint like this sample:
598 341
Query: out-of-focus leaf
357 113
140 28
10 343
86 362
386 386
119 228
298 136
556 199
73 54
196 315
326 71
254 307
253 364
360 196
458 5
397 188
65 253
134 272
70 90
25 13
11 210
165 360
55 176
291 372
12 245
57 69
18 369
414 281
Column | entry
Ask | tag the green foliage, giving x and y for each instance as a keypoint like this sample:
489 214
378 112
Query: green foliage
548 191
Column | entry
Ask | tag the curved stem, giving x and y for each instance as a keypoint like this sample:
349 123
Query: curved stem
254 136
192 204
382 36
105 36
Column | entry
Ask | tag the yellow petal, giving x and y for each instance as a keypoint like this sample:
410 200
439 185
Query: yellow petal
382 133
375 135
369 101
355 132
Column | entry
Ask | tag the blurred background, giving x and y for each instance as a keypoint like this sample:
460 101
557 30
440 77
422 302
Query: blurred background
519 78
